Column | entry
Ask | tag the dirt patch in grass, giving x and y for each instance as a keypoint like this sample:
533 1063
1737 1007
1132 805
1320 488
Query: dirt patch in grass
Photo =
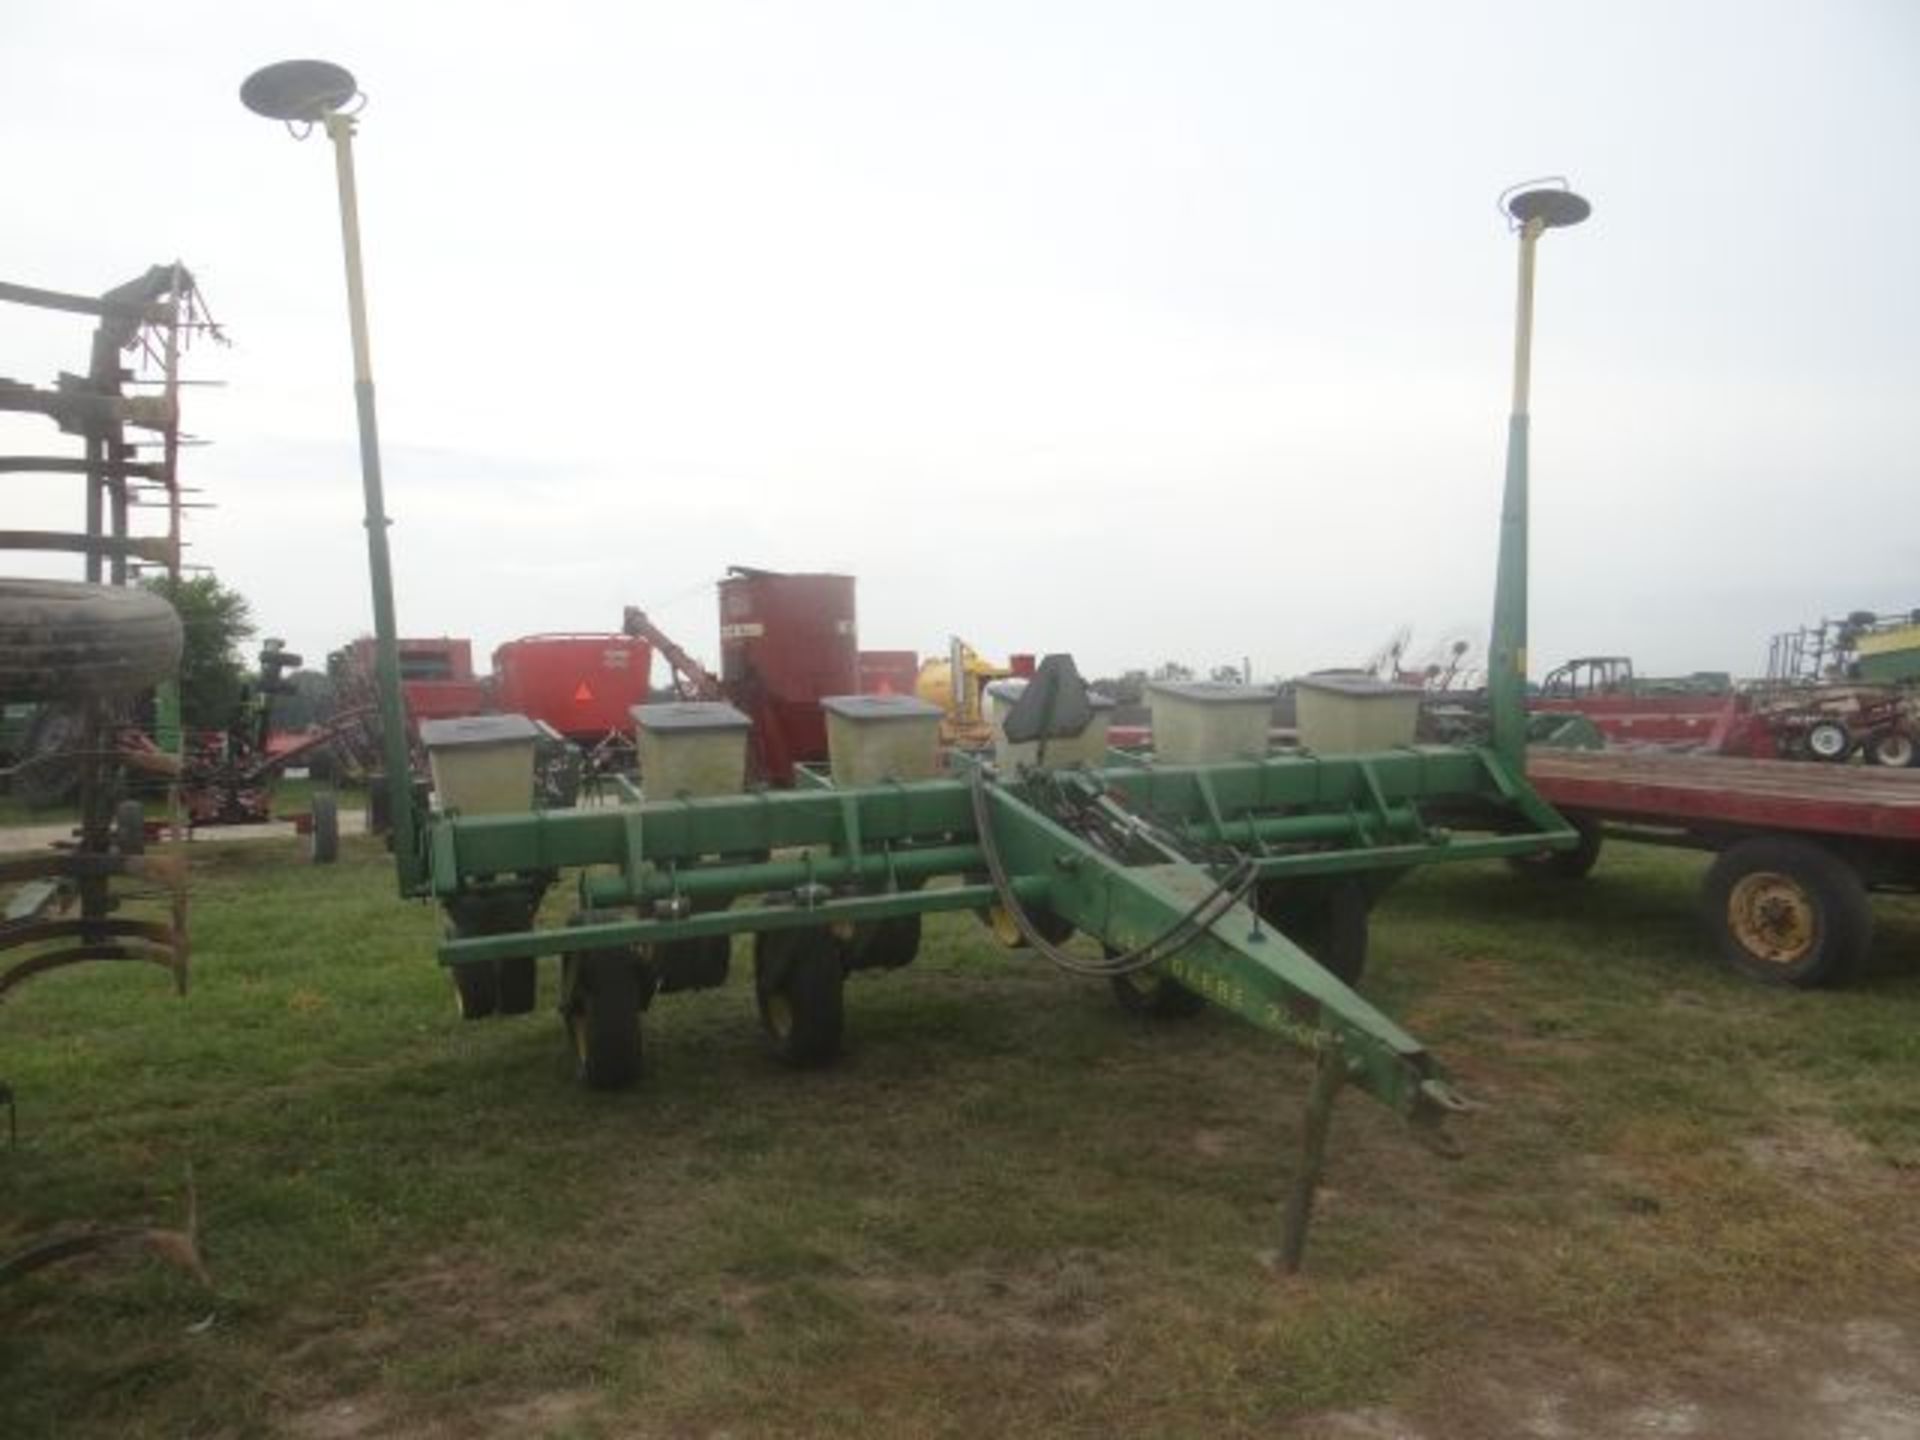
1774 1380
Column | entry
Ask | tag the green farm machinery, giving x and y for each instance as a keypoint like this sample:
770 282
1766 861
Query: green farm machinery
1241 881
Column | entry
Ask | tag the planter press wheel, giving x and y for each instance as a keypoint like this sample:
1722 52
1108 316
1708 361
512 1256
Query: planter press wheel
799 979
1787 912
1895 750
1829 741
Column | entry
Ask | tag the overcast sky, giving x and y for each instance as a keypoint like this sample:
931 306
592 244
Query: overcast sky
1143 331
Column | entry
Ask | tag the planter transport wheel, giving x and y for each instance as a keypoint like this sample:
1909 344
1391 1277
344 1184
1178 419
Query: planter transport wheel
602 1012
324 838
1328 920
798 983
1787 912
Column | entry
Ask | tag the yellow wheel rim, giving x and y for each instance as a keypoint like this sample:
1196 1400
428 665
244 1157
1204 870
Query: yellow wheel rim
1773 917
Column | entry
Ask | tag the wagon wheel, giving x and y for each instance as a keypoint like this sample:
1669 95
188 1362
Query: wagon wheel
798 984
1787 912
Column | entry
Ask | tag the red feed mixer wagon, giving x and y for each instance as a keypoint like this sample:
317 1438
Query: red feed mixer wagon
786 640
582 685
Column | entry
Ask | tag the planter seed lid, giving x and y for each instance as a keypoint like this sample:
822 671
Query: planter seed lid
689 715
477 730
1213 692
880 707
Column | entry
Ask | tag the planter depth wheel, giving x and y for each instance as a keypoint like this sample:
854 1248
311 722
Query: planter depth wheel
1788 912
602 1013
799 978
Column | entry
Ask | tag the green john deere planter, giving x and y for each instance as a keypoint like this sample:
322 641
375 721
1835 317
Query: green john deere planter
1241 883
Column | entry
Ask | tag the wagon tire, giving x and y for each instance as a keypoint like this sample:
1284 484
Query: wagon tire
1787 912
130 827
324 839
799 983
602 1014
65 639
1574 864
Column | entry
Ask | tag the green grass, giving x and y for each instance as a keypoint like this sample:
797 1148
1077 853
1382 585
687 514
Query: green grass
291 795
1011 1209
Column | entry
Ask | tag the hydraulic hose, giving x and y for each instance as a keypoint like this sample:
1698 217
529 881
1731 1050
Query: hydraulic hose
1231 889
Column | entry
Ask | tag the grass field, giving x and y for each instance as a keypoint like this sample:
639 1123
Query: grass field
1687 1204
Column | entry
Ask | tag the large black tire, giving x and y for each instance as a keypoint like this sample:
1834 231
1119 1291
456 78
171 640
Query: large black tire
61 639
1326 918
1574 864
324 838
1788 912
798 984
130 827
602 1013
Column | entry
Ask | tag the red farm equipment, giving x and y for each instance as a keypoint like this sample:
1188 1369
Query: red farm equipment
583 686
1691 711
785 642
